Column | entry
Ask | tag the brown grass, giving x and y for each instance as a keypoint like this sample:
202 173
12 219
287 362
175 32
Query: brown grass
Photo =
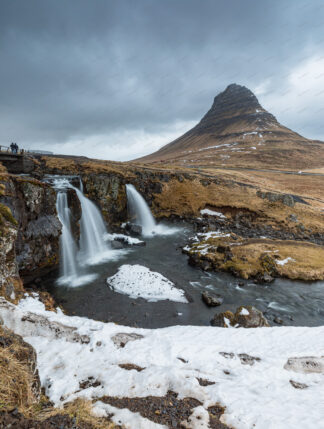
187 198
81 410
15 380
253 257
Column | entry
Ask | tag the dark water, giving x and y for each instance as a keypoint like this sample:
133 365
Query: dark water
296 303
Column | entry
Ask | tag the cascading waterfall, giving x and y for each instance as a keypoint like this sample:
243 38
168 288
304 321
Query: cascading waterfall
93 247
67 244
139 210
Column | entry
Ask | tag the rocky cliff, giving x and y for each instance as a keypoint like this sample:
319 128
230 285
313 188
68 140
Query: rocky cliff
10 283
34 234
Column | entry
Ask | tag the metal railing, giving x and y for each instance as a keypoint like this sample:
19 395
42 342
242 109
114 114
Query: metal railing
7 149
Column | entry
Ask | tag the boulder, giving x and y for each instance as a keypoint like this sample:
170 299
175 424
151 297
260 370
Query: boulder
250 317
264 278
134 229
244 317
306 365
223 320
212 300
116 244
286 199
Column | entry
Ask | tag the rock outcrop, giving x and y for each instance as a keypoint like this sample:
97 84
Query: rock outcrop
260 258
244 317
10 283
33 207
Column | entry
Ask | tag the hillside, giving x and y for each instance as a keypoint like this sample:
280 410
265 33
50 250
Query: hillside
238 132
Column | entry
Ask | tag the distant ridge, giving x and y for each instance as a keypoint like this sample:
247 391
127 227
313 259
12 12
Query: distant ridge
238 131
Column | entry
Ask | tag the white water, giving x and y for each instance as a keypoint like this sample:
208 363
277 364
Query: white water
71 274
139 210
67 243
93 246
141 214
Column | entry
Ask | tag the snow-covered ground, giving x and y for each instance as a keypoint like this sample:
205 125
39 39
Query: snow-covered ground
138 281
259 395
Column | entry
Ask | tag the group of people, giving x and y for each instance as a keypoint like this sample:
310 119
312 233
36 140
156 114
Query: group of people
14 147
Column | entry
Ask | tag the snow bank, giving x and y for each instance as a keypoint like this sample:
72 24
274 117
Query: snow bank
137 281
212 213
258 395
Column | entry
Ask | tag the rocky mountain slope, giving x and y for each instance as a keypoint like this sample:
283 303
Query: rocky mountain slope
238 131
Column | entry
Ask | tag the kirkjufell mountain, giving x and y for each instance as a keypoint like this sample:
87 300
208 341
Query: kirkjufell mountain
238 131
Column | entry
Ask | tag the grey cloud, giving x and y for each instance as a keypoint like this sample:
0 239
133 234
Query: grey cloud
80 68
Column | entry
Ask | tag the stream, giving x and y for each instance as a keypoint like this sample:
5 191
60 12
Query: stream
296 303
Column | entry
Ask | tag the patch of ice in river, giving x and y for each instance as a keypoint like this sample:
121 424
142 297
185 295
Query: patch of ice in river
137 281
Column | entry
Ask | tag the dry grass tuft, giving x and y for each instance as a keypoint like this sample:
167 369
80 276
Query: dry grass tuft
81 410
16 380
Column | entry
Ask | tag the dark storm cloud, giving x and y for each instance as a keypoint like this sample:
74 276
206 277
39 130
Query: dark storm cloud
73 70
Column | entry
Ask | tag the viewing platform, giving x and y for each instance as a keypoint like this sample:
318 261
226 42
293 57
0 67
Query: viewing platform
20 162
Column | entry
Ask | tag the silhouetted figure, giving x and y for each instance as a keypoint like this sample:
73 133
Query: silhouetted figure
16 147
12 147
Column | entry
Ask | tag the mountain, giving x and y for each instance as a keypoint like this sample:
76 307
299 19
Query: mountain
238 131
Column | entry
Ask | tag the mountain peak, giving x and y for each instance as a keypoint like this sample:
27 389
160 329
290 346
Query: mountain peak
238 92
238 131
235 103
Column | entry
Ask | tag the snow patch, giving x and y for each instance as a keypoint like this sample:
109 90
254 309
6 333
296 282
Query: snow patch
137 281
285 261
212 213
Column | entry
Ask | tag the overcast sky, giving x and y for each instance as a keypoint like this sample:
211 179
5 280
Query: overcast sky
118 79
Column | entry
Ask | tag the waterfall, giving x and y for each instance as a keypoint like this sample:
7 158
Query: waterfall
139 210
93 247
67 244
